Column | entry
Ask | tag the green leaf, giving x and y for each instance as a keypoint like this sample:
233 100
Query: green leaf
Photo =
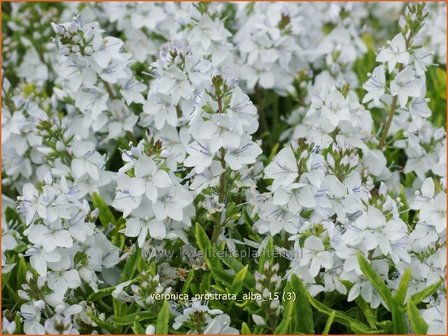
13 293
236 265
417 322
329 323
302 306
120 308
374 279
266 255
223 277
188 280
238 281
100 293
105 214
210 256
21 270
204 287
441 79
107 218
163 319
298 306
399 323
131 318
354 325
400 295
19 326
130 268
386 326
404 215
428 291
12 216
394 303
207 249
288 311
109 327
368 312
245 329
137 328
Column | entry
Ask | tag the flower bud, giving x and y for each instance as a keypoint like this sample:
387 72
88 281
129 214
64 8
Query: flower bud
150 330
88 51
258 320
274 304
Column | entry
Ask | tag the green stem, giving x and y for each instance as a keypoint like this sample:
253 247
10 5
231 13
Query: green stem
105 306
390 117
275 110
109 89
329 323
393 106
263 121
222 185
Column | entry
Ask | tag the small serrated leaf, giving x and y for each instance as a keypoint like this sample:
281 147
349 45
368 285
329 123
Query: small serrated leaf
417 322
163 319
374 279
238 281
245 329
400 295
428 291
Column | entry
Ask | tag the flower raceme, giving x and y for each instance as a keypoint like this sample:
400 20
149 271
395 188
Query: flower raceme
148 191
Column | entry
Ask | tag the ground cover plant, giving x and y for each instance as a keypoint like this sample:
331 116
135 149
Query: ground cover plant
223 168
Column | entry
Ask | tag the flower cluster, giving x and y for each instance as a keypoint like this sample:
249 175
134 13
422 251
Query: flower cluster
90 61
148 190
222 168
66 247
200 319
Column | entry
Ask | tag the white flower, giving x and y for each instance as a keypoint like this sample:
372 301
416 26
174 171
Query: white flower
61 281
395 53
375 86
283 169
200 156
86 160
150 330
196 307
242 111
335 108
258 320
106 49
220 325
297 196
274 219
162 108
435 316
31 312
171 203
377 232
152 178
48 238
316 256
129 193
419 109
132 91
405 85
114 71
8 326
141 227
92 100
246 154
424 198
435 213
375 162
40 258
